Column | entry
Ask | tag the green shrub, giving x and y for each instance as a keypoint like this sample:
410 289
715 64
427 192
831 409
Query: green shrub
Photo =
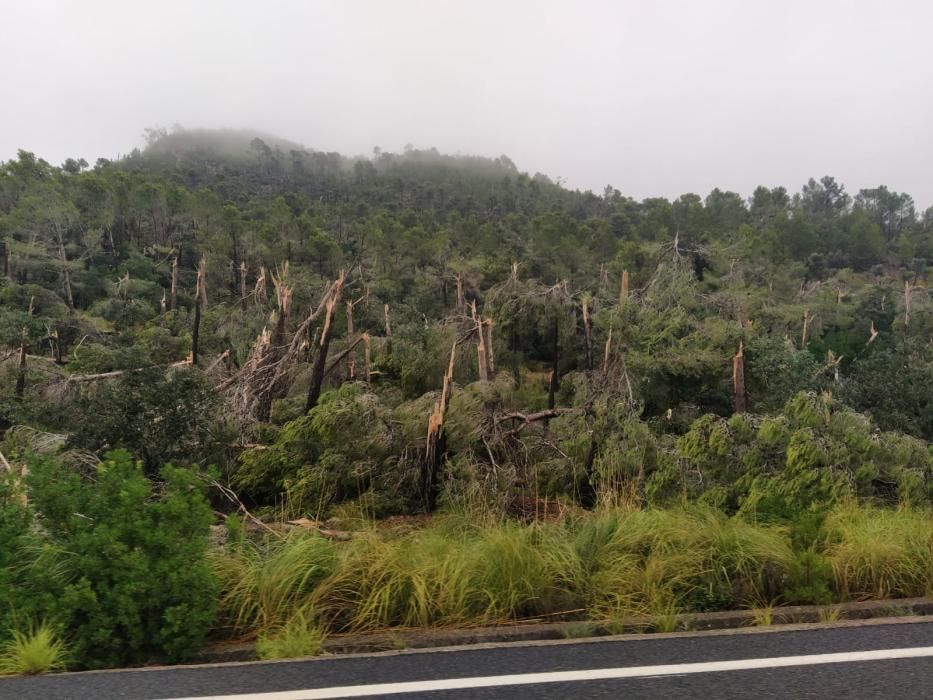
135 582
297 638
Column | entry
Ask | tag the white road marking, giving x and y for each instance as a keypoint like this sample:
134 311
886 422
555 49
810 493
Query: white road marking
596 674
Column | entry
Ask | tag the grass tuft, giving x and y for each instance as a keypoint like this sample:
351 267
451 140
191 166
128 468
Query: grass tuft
38 649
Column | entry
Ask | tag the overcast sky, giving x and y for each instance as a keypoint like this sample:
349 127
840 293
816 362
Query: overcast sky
655 98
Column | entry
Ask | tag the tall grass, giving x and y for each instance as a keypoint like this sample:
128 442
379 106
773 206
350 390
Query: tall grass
877 553
38 649
605 565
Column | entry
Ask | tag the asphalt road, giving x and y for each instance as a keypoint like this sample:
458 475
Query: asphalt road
881 659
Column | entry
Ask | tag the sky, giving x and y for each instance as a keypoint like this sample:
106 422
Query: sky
654 98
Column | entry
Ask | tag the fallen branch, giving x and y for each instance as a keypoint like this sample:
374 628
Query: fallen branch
529 418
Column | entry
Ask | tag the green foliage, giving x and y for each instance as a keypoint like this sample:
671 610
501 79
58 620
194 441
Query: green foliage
134 581
299 637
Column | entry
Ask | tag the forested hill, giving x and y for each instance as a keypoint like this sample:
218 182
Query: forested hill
462 331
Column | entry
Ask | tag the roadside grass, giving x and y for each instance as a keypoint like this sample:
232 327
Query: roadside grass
37 649
605 566
298 637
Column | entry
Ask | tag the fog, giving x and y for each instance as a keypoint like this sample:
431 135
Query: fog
654 98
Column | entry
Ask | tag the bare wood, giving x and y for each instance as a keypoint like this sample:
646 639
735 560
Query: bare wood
202 280
908 290
243 283
320 359
162 304
343 354
78 378
623 289
366 359
174 296
490 358
459 291
351 365
606 351
529 418
587 335
436 419
21 376
66 277
873 333
480 344
196 331
738 379
805 334
388 330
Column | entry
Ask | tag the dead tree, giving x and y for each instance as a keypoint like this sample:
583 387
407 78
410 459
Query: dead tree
460 303
908 294
199 295
623 288
490 358
481 356
243 284
738 380
388 330
351 362
162 304
21 375
554 383
66 276
587 334
274 389
174 296
805 334
366 363
320 359
434 446
202 274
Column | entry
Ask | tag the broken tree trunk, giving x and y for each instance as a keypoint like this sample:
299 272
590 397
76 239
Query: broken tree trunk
366 363
388 330
490 358
351 362
66 277
554 383
320 359
623 288
459 291
606 352
174 296
738 380
243 284
908 292
202 275
587 334
162 304
480 345
198 296
435 438
805 334
21 376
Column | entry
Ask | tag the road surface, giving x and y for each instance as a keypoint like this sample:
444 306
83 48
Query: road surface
877 659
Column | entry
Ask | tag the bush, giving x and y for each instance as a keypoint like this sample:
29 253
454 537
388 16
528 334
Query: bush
297 638
134 583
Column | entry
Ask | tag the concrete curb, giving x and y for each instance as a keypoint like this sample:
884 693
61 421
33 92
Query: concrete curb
538 631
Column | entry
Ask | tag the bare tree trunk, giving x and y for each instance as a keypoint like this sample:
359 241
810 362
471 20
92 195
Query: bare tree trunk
195 334
202 275
69 300
606 351
366 358
480 345
320 359
908 291
587 334
490 358
388 330
805 334
174 296
243 284
434 447
459 291
351 360
162 304
554 384
738 380
623 289
21 376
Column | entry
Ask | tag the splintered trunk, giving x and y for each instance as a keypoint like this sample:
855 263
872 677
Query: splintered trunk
21 375
587 334
162 304
606 351
366 358
908 290
56 347
623 289
202 275
66 275
320 359
351 360
174 292
490 358
198 296
805 333
738 380
435 444
554 384
243 284
480 345
388 330
459 291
